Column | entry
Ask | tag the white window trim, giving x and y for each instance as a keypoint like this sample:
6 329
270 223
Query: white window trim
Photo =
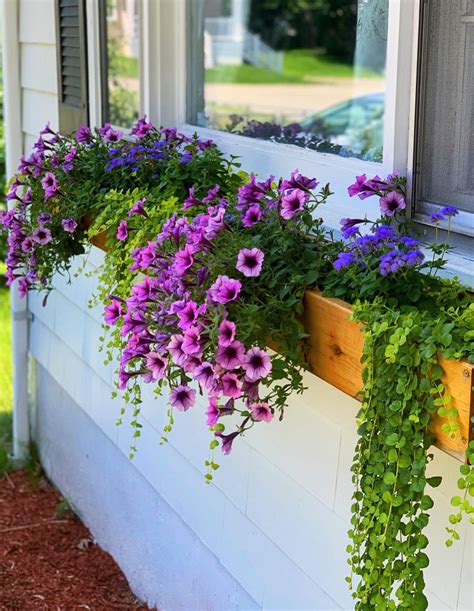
280 159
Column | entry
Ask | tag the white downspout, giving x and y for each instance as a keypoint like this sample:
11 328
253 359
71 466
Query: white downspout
13 149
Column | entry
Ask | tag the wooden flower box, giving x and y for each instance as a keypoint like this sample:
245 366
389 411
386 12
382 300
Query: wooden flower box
335 350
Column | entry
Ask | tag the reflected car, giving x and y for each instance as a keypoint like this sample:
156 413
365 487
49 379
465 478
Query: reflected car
356 124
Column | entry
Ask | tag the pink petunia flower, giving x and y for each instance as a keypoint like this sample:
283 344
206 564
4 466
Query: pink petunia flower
191 343
293 202
182 397
49 184
204 375
231 386
252 216
156 364
69 225
226 333
113 312
42 235
224 289
391 203
250 261
257 364
213 412
175 348
122 231
261 412
231 356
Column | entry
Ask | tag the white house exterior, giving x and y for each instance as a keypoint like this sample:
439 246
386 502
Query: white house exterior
270 531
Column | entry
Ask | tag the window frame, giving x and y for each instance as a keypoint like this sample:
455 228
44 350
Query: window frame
462 226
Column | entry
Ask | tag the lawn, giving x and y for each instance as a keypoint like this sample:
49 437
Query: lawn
301 66
5 372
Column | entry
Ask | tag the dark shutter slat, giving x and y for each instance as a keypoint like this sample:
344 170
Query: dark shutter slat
72 63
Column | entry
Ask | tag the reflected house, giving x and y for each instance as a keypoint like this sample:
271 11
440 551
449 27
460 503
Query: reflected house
228 41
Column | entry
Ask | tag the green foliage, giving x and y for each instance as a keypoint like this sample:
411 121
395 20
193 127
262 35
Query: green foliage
402 391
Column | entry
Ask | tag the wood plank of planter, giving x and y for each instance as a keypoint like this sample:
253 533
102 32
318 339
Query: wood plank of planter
335 350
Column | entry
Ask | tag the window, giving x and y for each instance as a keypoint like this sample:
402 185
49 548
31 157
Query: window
307 73
121 83
445 144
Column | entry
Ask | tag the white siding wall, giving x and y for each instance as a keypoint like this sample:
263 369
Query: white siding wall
277 514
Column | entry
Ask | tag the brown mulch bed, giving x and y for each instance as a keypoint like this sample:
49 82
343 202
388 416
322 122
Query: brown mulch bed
47 557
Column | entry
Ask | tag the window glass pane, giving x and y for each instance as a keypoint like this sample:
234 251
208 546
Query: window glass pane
446 159
122 105
305 72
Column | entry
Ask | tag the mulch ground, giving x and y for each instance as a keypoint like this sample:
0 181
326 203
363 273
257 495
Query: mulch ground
47 557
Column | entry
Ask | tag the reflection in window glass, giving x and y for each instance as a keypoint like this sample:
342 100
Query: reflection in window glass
305 72
122 104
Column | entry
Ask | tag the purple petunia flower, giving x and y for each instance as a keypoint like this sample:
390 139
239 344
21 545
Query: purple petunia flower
357 187
250 262
137 208
113 312
42 235
261 412
122 231
189 313
392 203
191 200
49 184
204 375
231 385
192 341
84 134
71 154
109 134
230 356
298 181
182 397
184 259
69 225
226 440
44 218
142 128
293 202
252 216
224 289
156 364
175 348
257 364
28 244
226 333
213 412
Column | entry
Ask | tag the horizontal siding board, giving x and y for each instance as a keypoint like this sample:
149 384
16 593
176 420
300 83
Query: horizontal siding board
37 21
38 67
37 109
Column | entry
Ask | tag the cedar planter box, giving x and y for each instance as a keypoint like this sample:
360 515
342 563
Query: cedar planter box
335 350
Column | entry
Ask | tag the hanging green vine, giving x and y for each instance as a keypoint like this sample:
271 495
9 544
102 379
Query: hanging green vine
402 391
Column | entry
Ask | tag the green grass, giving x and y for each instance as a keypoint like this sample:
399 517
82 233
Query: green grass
125 67
5 372
302 66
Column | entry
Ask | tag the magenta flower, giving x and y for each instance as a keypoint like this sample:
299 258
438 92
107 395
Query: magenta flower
42 235
109 134
192 341
357 187
182 397
191 200
261 411
49 184
224 289
231 386
137 208
257 364
44 218
293 202
226 333
175 348
252 216
142 128
184 259
204 375
213 412
231 356
113 312
28 244
250 261
156 364
226 440
298 181
188 314
122 231
69 225
392 203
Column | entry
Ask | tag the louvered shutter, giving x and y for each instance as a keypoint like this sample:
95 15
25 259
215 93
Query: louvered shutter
72 64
